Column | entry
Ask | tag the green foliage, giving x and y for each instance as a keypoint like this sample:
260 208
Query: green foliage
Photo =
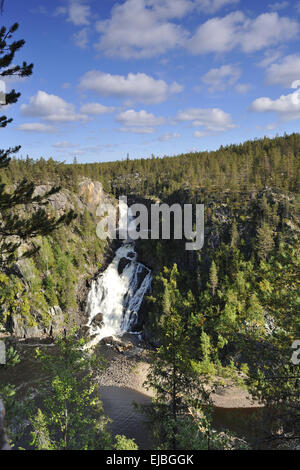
12 357
181 409
23 216
70 415
122 443
213 277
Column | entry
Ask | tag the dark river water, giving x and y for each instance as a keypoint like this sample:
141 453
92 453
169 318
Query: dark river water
118 405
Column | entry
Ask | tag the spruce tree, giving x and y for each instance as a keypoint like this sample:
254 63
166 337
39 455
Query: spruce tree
213 277
264 241
181 407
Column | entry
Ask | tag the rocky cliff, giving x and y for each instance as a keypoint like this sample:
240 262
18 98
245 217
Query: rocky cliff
64 265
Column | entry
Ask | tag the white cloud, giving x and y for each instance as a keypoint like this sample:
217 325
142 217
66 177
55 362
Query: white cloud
287 107
295 84
36 127
243 88
64 145
138 130
278 6
212 120
139 118
77 12
268 29
217 34
211 6
237 31
51 108
219 79
81 38
138 87
139 29
284 72
270 56
168 136
271 127
96 109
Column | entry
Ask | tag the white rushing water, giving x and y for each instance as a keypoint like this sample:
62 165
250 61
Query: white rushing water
116 295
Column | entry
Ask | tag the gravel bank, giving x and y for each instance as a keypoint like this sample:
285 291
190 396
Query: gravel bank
129 367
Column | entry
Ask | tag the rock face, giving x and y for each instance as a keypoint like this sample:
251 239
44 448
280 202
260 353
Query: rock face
62 201
98 319
92 192
56 322
56 326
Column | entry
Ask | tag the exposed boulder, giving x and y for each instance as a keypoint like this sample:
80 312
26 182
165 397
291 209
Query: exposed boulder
98 319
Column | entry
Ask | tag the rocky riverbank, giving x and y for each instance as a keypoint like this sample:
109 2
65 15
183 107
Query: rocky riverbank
128 366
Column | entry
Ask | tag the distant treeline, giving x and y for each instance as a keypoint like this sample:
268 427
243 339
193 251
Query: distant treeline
252 165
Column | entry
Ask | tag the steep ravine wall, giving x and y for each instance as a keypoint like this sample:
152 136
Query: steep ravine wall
83 230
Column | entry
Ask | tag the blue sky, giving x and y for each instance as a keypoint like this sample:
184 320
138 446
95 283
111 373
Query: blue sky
152 76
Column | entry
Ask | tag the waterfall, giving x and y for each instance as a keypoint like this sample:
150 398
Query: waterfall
115 297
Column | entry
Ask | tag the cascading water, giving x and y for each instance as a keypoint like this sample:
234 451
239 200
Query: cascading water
116 295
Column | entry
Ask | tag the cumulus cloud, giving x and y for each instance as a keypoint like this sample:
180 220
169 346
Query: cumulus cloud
137 87
212 120
237 31
287 107
139 118
219 79
96 109
139 29
36 127
51 108
285 71
152 30
77 12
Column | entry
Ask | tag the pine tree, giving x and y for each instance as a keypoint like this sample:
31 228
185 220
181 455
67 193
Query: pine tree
213 277
234 235
264 241
178 410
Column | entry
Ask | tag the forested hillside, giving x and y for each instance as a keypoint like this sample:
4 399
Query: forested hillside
251 165
85 319
234 304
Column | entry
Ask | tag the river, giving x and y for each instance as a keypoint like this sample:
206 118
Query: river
245 423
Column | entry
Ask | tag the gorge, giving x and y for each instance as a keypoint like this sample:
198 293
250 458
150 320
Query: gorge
116 294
